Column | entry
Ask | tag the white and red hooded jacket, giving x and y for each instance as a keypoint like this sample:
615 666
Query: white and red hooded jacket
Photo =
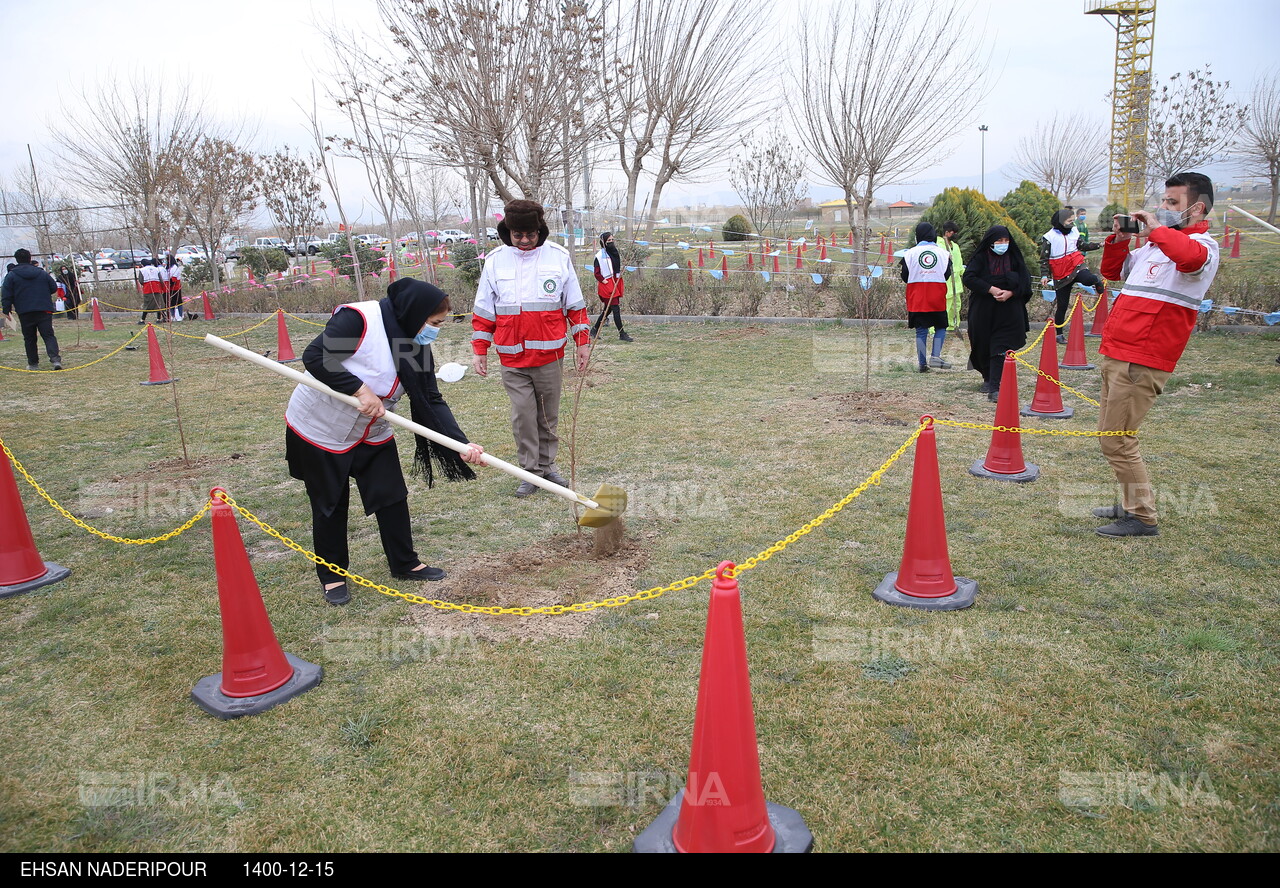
1164 282
528 306
154 280
1062 249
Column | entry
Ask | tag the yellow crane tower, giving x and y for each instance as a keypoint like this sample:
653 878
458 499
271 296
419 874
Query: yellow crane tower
1135 24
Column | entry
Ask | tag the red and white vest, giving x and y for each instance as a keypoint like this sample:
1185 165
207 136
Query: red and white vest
152 279
1064 256
926 277
337 427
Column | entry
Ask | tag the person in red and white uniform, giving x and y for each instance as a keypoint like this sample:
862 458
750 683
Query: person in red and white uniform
1147 331
528 307
378 352
1062 265
174 269
155 287
609 284
926 268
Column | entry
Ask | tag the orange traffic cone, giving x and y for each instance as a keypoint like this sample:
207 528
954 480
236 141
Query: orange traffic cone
1100 313
256 674
208 309
751 265
823 257
97 317
21 568
2 323
1076 358
724 267
1004 457
284 348
1235 246
159 375
775 264
1226 236
924 579
1047 402
711 249
689 263
701 262
722 807
799 257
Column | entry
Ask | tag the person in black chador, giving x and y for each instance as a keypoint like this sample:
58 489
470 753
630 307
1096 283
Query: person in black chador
377 352
999 287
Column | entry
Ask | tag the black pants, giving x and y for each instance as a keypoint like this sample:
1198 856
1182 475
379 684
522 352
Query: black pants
1081 275
329 533
612 308
42 321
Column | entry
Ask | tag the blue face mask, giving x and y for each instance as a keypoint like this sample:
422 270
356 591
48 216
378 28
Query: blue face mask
427 336
999 249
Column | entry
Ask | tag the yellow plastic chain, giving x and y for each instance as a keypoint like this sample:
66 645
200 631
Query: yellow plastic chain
269 317
1058 382
93 530
122 308
304 320
1066 433
580 607
80 366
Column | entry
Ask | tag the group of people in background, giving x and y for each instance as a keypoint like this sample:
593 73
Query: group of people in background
161 283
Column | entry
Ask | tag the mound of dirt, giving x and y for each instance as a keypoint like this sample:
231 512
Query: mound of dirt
875 408
561 570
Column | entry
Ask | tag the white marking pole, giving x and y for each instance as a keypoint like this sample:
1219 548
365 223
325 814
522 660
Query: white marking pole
1254 218
394 419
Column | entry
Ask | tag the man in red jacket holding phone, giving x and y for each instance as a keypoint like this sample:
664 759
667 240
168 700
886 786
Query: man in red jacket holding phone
1149 325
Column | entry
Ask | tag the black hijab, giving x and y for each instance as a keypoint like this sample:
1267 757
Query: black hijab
925 232
1060 219
406 307
612 250
983 262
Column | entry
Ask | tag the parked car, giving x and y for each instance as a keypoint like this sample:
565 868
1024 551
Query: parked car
273 243
452 235
105 259
376 241
308 244
409 239
491 233
131 258
188 252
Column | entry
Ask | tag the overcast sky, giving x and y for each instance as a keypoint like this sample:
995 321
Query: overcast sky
258 57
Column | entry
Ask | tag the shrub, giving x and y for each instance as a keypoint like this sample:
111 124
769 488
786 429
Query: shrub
974 214
263 262
197 272
1105 217
340 254
737 228
466 259
1031 208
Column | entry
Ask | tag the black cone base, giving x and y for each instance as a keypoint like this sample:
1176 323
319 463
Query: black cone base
53 573
1067 413
1030 473
208 695
791 835
1078 366
887 592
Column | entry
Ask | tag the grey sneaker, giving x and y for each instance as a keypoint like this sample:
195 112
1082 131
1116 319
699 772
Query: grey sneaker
526 489
1062 339
33 366
557 478
936 361
1128 527
1113 512
57 363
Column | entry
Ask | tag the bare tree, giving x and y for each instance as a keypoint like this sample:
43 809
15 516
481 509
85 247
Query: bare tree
769 178
132 151
1064 156
291 191
879 99
1260 139
1192 123
326 166
698 67
220 186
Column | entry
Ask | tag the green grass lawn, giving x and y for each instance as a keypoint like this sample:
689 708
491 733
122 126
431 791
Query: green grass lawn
1100 695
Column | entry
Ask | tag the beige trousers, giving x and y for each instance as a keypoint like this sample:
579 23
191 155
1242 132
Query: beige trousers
535 411
1128 391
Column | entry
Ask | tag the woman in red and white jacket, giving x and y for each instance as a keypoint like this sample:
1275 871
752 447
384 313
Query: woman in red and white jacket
609 284
1062 252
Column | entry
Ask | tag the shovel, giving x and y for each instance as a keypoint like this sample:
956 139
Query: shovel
610 500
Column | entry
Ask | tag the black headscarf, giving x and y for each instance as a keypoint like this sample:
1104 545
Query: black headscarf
612 250
925 232
982 262
1060 219
406 307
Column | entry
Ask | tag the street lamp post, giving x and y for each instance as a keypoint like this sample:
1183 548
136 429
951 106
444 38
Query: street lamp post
983 129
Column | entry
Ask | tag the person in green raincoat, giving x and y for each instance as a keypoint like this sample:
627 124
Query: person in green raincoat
951 243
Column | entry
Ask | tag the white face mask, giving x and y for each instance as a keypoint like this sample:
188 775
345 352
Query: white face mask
1173 218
